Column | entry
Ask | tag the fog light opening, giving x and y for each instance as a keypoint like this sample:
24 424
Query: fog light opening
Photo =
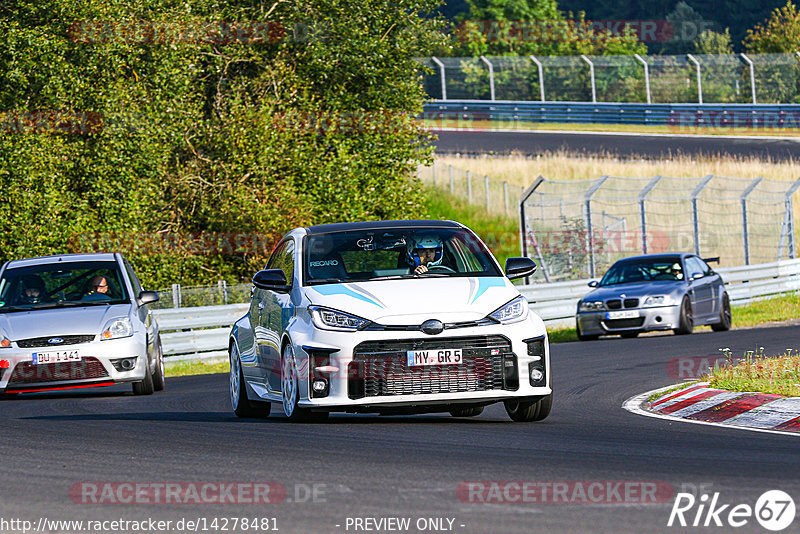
658 318
319 385
536 374
128 363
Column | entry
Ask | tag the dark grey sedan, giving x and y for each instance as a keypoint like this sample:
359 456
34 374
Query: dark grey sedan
654 292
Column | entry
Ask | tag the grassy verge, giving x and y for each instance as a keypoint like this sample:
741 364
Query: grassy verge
660 394
521 171
777 309
614 128
186 368
779 375
500 233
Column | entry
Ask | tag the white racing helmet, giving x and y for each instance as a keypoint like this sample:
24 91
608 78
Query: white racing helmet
425 241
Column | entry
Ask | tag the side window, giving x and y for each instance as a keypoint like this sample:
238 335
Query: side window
137 287
283 259
694 266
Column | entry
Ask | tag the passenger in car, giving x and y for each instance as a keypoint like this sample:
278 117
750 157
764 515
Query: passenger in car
97 288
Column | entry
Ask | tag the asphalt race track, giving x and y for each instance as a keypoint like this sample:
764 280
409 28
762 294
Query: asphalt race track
620 145
409 467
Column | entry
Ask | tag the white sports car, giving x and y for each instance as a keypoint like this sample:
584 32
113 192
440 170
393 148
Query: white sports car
76 321
392 317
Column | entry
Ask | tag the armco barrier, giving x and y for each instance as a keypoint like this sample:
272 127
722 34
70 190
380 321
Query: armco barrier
755 116
202 332
557 303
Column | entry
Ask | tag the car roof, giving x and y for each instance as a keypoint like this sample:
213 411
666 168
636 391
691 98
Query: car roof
41 260
378 225
662 256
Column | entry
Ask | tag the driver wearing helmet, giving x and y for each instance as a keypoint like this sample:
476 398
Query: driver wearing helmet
32 289
424 252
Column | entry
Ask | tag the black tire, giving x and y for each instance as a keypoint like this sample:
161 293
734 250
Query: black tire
466 411
145 386
532 410
629 334
686 324
582 336
158 376
725 316
242 406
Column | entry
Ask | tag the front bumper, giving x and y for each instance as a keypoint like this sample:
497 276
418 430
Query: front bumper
647 319
19 374
435 389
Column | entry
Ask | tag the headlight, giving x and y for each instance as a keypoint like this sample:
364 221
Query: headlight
513 311
590 305
328 319
657 300
5 343
117 328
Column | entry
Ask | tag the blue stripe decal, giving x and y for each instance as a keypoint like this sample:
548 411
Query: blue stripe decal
339 289
486 283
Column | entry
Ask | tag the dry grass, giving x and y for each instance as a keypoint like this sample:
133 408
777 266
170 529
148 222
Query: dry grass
522 171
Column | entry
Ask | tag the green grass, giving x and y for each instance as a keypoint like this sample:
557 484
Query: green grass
500 233
779 375
185 368
781 308
620 128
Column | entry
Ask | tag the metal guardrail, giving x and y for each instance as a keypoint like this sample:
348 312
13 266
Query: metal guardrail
556 302
202 332
677 115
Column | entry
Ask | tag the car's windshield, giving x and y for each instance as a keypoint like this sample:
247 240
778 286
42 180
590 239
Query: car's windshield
370 254
62 284
654 270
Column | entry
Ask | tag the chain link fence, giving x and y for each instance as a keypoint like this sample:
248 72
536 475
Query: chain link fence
180 296
496 196
578 228
721 79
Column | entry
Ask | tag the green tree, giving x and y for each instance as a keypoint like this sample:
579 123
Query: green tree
711 42
235 134
779 34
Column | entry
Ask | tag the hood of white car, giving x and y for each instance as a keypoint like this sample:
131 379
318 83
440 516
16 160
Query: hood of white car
411 301
60 321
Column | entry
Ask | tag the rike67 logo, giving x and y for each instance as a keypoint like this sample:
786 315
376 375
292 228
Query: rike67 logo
774 510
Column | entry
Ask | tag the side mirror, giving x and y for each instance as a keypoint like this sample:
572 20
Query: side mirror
519 267
147 297
272 280
593 283
696 276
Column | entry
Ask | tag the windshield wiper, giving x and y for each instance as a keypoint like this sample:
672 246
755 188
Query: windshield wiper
327 280
12 309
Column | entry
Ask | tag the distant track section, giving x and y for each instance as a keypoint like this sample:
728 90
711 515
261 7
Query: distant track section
626 145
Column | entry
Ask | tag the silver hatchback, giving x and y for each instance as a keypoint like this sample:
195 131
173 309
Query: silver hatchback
654 292
76 321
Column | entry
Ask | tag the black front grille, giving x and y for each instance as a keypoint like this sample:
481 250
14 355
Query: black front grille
631 303
624 323
614 304
45 341
379 368
86 369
